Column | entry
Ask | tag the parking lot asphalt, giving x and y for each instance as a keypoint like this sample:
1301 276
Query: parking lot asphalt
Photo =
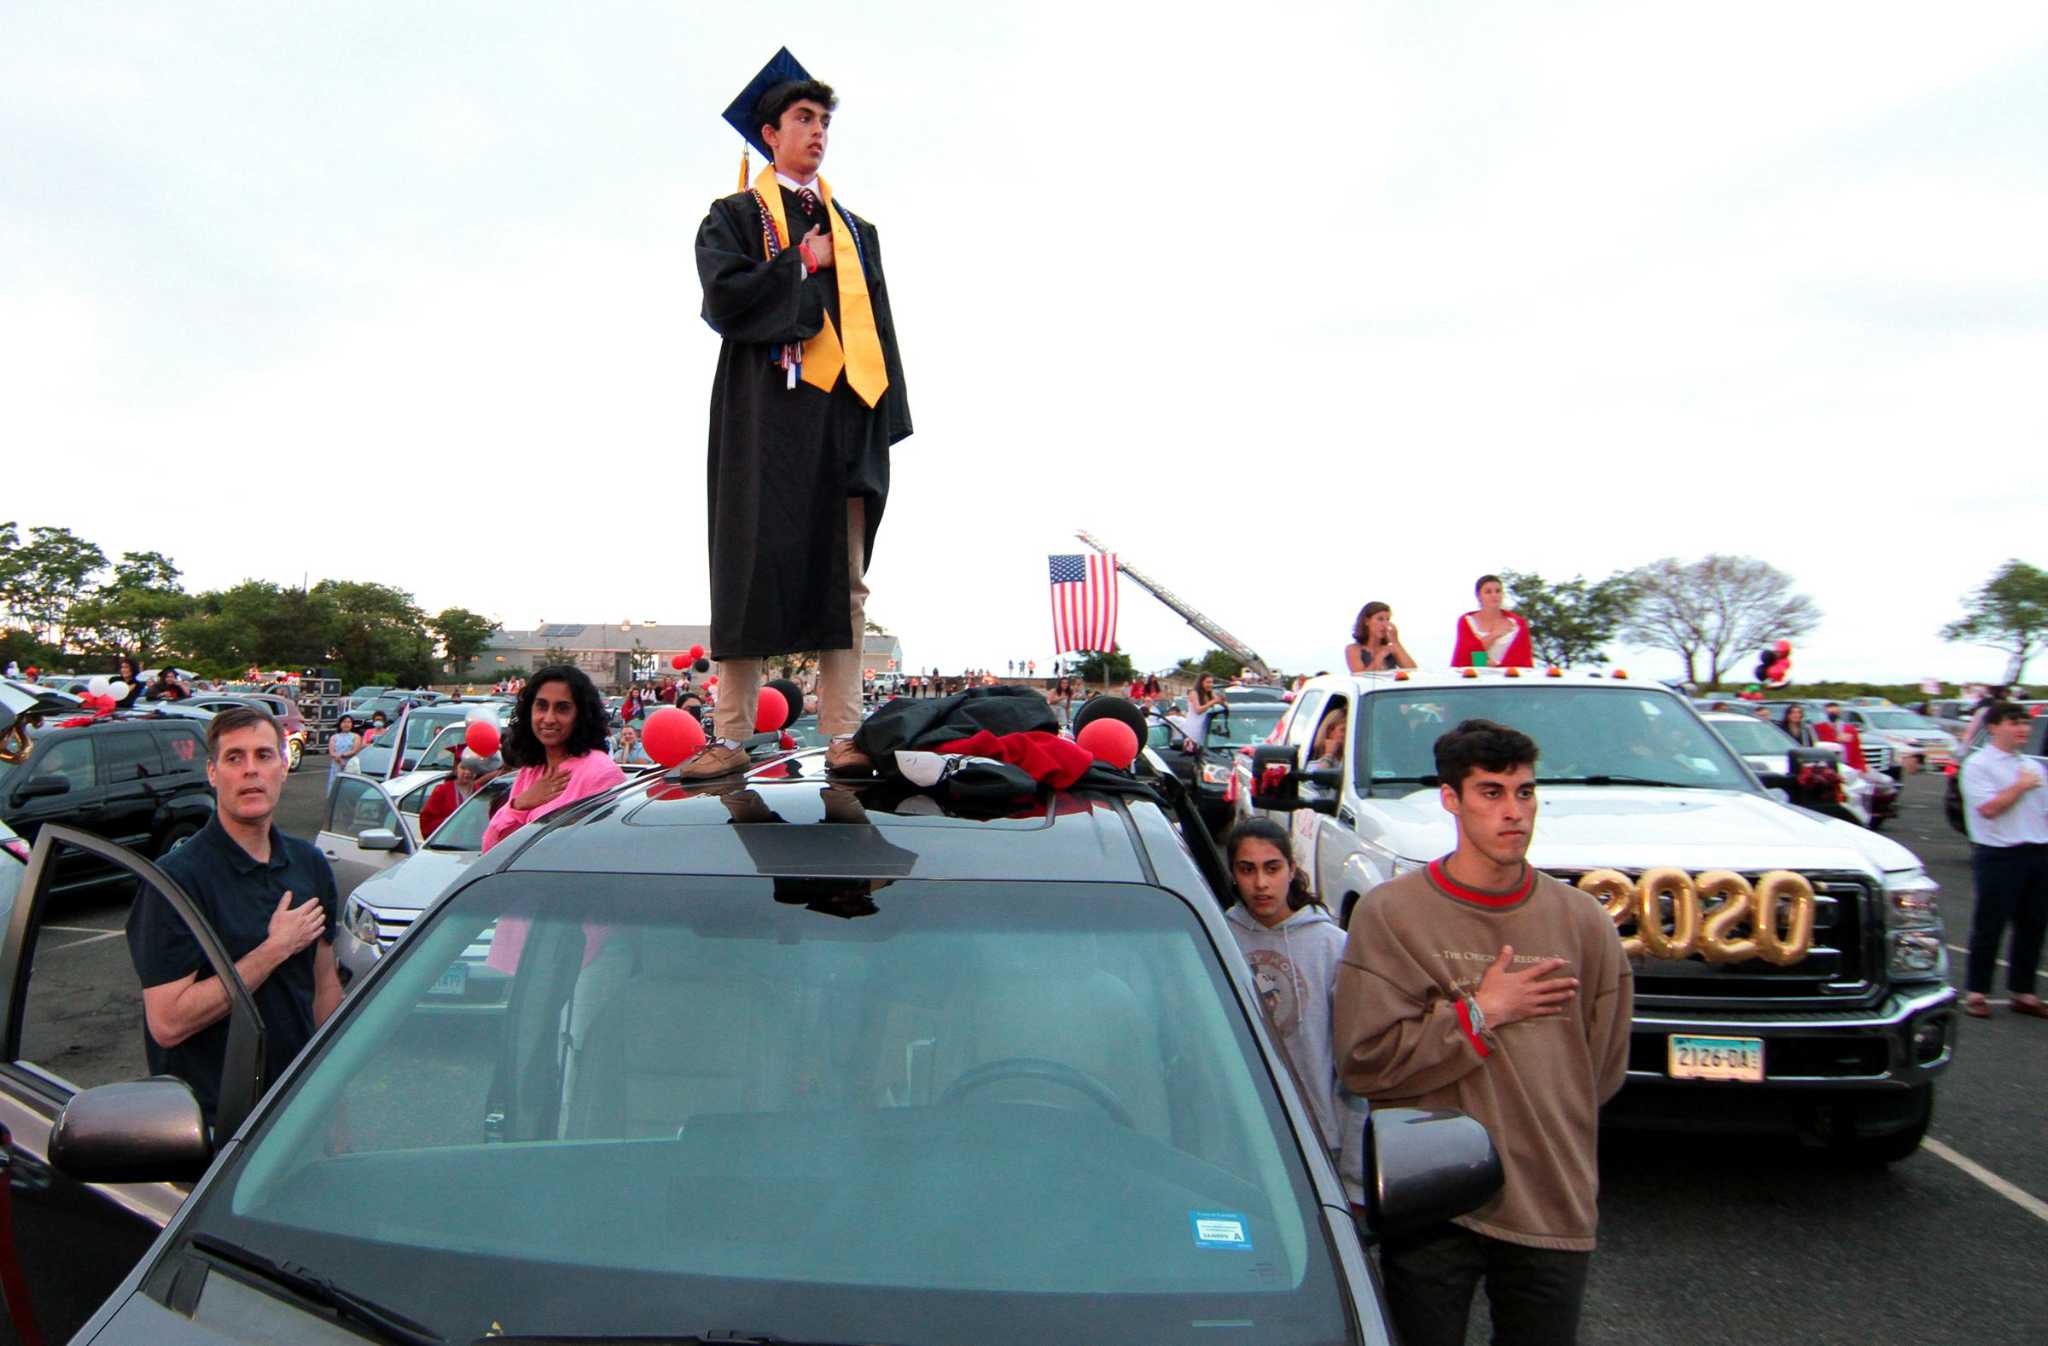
1705 1238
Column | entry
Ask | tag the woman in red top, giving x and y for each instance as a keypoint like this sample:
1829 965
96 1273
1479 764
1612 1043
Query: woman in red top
1491 630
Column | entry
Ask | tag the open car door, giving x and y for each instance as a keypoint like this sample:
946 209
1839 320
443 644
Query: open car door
71 1026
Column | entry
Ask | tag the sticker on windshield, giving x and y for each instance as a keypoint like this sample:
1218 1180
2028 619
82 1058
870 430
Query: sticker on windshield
1220 1229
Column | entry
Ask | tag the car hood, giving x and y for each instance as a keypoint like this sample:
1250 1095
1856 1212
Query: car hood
1584 827
414 882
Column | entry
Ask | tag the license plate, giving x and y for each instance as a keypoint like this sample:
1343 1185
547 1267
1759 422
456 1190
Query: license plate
1695 1058
454 981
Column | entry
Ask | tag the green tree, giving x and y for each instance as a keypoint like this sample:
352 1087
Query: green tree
1716 609
1571 621
255 622
2007 612
1216 663
376 631
464 634
45 576
1095 666
130 613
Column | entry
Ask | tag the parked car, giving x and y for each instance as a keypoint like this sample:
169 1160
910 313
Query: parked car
945 1010
280 708
371 823
403 745
1870 798
384 906
136 779
1839 1034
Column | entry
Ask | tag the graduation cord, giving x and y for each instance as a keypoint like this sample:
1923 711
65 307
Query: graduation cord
789 356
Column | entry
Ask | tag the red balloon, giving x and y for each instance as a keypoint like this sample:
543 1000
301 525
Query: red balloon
1782 647
696 652
680 662
711 681
481 737
1780 670
1111 741
670 735
770 710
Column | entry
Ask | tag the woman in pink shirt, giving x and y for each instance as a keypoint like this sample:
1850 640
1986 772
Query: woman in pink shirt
557 736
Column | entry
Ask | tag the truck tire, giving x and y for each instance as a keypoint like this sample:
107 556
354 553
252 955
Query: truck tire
170 839
1867 1151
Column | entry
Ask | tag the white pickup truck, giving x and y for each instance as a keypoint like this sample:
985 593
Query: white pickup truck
1831 1014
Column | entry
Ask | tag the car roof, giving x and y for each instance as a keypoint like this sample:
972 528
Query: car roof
1362 683
789 821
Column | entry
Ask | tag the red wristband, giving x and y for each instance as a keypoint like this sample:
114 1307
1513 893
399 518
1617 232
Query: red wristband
803 250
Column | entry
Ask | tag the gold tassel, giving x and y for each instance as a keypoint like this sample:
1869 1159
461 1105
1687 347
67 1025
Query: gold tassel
745 164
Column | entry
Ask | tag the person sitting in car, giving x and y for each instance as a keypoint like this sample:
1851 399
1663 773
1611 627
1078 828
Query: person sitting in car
471 772
166 687
1330 735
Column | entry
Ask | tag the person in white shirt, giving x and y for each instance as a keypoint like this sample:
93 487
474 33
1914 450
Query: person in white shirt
2006 813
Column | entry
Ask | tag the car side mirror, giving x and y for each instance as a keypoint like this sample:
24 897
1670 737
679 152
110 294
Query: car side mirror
1274 787
378 839
139 1131
1424 1166
42 787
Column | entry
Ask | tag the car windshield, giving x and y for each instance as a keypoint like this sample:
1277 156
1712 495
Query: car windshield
1244 722
1753 737
1595 735
464 830
421 726
800 1109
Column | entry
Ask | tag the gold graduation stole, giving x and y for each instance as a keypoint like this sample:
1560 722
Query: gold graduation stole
824 355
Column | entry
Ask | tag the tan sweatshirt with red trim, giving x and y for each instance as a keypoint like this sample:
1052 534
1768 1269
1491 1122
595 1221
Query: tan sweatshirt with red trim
1401 1037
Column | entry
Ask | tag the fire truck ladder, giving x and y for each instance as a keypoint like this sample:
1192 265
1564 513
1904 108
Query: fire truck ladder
1221 638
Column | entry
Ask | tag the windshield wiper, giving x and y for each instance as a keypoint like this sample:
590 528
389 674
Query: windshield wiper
386 1323
1603 779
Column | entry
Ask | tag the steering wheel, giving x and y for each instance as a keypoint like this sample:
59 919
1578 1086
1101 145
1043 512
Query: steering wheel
1038 1068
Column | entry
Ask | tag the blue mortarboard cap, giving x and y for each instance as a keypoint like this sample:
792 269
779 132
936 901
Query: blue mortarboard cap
743 114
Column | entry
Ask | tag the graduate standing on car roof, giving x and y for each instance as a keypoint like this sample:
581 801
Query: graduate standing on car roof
807 400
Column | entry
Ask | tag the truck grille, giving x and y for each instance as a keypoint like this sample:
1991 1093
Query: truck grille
1836 970
1878 754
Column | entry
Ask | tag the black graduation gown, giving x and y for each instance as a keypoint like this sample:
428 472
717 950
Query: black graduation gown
782 460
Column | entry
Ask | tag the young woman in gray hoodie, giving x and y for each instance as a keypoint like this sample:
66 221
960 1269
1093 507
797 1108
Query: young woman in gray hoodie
1294 947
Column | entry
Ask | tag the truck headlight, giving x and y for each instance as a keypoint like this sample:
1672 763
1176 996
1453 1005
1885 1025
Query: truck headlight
1911 901
1915 954
362 923
1215 773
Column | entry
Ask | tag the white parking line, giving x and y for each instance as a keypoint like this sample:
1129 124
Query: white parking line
2020 1197
94 938
80 929
1964 948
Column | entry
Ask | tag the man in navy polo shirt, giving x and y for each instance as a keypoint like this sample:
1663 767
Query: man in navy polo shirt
270 898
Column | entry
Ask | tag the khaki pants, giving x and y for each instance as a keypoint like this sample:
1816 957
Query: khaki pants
739 680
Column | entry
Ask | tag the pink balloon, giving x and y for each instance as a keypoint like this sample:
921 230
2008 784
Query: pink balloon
670 735
481 737
1111 741
770 710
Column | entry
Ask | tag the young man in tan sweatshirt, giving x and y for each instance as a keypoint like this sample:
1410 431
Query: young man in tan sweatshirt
1482 985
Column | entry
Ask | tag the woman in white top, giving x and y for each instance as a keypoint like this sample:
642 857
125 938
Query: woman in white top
1492 631
345 743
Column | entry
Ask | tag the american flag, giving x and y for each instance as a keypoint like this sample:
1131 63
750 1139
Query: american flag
1084 603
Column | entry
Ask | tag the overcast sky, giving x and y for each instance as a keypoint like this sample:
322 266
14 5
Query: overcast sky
1294 306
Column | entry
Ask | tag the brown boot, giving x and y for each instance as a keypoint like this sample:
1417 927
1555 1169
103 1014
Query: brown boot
713 760
843 759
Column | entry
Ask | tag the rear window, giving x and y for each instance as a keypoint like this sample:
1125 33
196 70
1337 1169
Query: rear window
183 749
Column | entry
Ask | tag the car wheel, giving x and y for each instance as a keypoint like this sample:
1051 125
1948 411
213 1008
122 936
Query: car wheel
170 839
1888 1147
